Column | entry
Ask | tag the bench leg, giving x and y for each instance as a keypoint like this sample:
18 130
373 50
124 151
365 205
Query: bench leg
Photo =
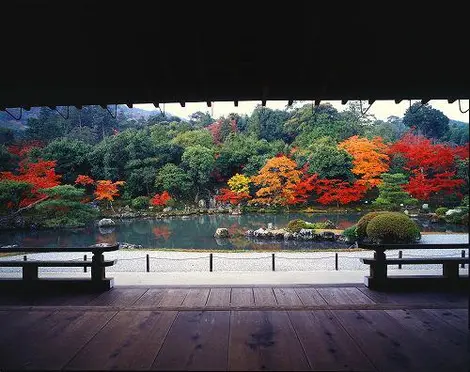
378 272
97 268
450 270
30 272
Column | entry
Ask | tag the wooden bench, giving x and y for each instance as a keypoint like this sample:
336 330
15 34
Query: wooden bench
31 280
379 279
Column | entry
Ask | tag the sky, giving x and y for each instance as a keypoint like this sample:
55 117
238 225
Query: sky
381 109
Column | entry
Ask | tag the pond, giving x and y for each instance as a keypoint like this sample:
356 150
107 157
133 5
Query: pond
195 232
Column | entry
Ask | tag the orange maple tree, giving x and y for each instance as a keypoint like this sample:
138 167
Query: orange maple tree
107 190
41 175
370 159
277 181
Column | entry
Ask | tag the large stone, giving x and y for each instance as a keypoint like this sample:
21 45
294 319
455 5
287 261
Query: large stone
270 226
306 234
278 234
249 233
106 222
167 209
328 235
123 245
221 232
201 203
288 236
260 233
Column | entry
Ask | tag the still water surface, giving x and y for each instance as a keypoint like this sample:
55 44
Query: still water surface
196 232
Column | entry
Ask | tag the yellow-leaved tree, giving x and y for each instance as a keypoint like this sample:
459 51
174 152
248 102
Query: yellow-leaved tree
239 183
276 181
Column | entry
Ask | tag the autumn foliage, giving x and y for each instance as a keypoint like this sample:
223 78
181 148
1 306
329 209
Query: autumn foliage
41 175
84 180
160 199
277 181
370 159
232 197
107 190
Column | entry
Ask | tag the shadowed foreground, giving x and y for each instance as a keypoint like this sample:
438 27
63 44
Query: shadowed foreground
345 327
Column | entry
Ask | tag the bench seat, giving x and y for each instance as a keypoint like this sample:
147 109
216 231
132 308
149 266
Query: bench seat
54 263
418 261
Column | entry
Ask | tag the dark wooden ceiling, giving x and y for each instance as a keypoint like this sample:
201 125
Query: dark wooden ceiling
96 52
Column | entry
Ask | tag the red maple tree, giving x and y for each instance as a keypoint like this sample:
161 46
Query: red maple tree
84 180
107 190
41 175
232 197
160 199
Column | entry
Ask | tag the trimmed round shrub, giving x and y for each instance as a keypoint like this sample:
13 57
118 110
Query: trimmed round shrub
441 211
141 202
361 225
296 225
392 227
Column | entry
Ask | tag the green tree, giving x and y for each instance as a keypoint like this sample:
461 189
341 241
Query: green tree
7 160
199 137
71 157
200 119
391 194
63 208
390 130
267 124
430 122
11 194
175 180
326 159
199 162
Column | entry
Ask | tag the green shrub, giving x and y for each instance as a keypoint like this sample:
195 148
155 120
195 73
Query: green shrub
464 201
351 233
392 227
441 211
363 222
141 202
296 225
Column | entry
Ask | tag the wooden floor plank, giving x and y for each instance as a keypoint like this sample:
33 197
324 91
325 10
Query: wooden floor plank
437 333
287 297
196 297
173 297
130 341
389 345
356 296
326 344
198 340
50 344
458 318
150 298
13 323
264 296
342 296
219 297
264 340
376 296
242 297
118 297
310 297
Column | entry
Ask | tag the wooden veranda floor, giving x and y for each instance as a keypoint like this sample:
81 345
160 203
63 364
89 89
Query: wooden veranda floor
223 328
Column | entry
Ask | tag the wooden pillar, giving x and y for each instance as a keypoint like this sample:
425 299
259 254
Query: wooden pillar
378 270
97 268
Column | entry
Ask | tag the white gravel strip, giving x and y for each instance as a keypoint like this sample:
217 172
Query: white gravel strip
161 261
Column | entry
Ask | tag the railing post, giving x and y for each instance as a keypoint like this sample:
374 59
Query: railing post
400 255
84 259
462 266
24 258
210 262
274 263
148 263
336 261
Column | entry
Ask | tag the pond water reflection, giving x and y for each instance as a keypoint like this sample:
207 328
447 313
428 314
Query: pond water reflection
195 232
